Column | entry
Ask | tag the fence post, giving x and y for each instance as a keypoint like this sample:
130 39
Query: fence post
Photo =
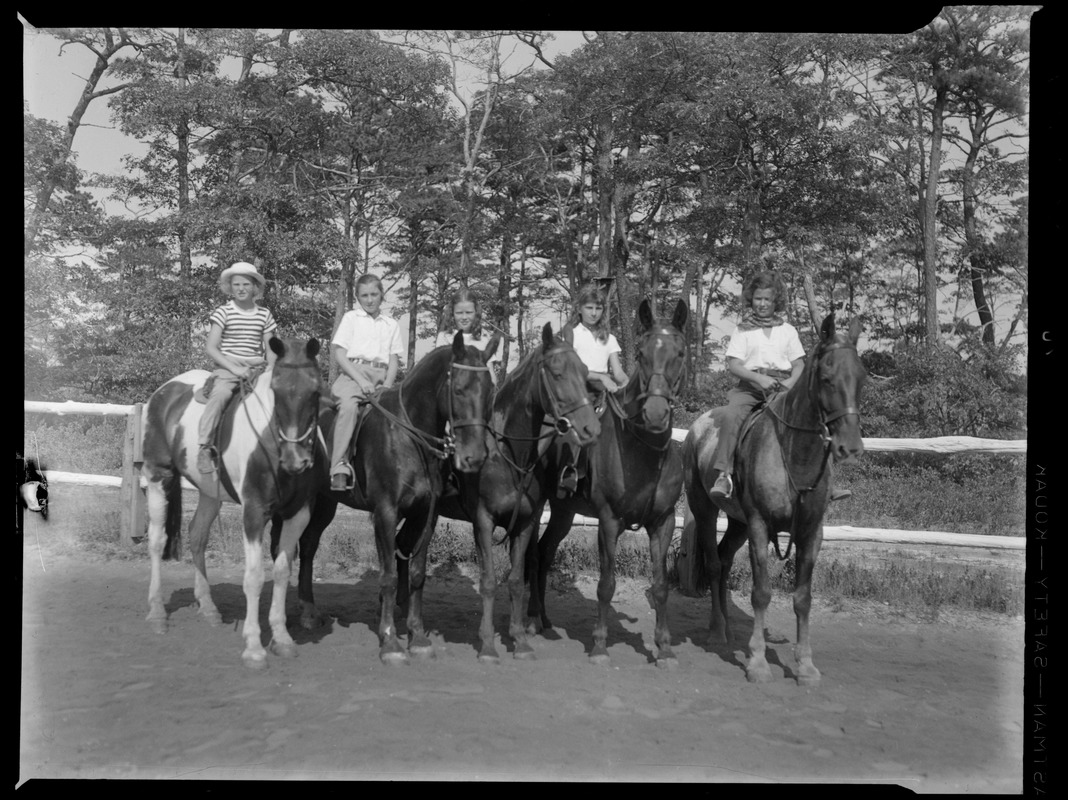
133 519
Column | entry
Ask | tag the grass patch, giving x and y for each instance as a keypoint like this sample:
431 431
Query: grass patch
85 520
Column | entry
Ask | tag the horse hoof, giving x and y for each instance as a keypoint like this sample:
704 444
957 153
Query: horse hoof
758 675
600 658
256 661
524 652
284 649
423 652
393 657
808 676
158 625
668 662
489 657
215 619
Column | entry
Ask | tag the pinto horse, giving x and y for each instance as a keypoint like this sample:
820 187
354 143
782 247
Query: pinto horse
511 488
781 483
440 409
267 447
634 477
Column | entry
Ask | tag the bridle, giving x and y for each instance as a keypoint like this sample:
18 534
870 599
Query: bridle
561 422
653 385
826 417
440 446
312 428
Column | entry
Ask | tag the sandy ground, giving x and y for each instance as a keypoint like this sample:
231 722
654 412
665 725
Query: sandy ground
930 706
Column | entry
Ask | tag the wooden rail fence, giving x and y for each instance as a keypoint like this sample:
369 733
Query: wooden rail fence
131 484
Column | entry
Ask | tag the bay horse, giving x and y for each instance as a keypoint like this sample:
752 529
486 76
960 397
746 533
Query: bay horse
548 384
782 483
439 412
634 477
267 449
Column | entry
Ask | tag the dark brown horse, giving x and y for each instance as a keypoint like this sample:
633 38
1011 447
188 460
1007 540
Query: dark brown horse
634 477
549 384
781 482
267 448
440 411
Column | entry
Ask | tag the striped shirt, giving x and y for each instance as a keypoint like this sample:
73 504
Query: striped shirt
243 331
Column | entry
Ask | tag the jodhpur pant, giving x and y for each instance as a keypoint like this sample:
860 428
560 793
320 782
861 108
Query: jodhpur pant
348 394
225 385
740 402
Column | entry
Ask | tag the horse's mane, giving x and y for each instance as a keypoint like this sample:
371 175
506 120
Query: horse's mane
509 387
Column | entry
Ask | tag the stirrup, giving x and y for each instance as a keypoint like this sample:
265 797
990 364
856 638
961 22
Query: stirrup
567 483
719 491
346 473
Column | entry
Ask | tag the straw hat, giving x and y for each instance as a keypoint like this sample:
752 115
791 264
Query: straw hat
241 268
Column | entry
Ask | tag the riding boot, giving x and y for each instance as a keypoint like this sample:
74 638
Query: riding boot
840 494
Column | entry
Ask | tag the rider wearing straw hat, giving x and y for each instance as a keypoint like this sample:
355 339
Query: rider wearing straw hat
237 343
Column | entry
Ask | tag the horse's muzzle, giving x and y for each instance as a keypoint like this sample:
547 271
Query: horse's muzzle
296 460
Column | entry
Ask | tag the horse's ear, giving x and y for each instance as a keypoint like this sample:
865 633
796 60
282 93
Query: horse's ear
491 347
277 345
567 333
678 319
856 326
645 314
312 348
547 335
458 345
827 328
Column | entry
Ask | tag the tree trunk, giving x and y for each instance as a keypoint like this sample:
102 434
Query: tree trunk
930 211
973 242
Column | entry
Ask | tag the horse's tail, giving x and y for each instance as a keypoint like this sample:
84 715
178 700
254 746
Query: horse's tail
172 525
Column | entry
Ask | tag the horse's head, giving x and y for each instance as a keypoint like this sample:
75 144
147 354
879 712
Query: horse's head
296 384
467 400
562 385
661 365
837 379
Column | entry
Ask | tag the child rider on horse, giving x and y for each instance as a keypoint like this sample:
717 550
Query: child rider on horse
598 349
237 343
766 355
367 348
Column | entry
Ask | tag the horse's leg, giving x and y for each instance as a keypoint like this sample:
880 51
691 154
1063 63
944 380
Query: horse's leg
157 539
390 649
757 669
806 548
659 544
487 585
419 643
282 643
254 655
719 577
607 537
206 513
323 513
520 548
559 526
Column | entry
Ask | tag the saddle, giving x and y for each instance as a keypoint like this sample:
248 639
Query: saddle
202 394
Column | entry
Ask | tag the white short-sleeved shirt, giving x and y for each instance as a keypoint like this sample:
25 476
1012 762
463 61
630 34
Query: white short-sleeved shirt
371 338
445 337
594 354
759 351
